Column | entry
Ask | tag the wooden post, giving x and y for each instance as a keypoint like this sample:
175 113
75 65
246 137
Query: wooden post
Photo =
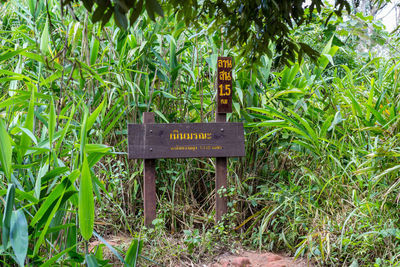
220 178
224 105
150 198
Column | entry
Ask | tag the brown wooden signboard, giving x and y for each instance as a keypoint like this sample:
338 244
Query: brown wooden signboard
150 141
185 140
224 85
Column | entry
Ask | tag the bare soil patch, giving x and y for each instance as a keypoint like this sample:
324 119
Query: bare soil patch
240 258
257 259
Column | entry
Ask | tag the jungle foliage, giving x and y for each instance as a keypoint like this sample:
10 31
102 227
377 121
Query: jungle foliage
250 25
319 180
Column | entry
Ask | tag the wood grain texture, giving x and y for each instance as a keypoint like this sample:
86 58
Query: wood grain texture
185 140
150 197
221 174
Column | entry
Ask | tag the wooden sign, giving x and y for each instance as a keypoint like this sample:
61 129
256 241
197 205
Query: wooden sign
185 140
224 85
150 141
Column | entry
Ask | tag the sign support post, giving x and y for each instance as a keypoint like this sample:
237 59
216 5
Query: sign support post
149 193
224 105
220 178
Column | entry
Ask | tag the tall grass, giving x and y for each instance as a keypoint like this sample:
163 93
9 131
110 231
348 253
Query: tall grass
320 178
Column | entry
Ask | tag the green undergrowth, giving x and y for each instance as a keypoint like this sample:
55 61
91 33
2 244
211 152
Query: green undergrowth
320 179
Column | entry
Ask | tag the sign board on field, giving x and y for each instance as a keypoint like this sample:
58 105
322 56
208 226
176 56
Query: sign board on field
185 140
224 84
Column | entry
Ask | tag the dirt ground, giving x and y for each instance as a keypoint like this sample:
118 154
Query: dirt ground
241 258
256 259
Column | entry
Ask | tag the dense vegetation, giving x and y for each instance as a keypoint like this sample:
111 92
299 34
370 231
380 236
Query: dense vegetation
246 24
319 180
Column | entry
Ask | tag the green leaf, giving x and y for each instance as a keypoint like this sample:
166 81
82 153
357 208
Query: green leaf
44 39
97 148
65 129
155 7
57 229
6 55
306 146
88 4
267 134
94 49
377 115
71 237
51 261
32 4
21 195
55 194
299 131
370 98
338 119
159 113
52 123
91 260
116 119
355 105
83 133
27 136
55 172
324 127
236 106
5 151
293 72
14 82
306 125
167 95
133 252
7 215
273 123
106 17
92 118
120 18
56 75
327 47
99 13
136 12
15 100
385 172
86 202
285 79
46 226
286 92
152 6
19 236
38 183
109 247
